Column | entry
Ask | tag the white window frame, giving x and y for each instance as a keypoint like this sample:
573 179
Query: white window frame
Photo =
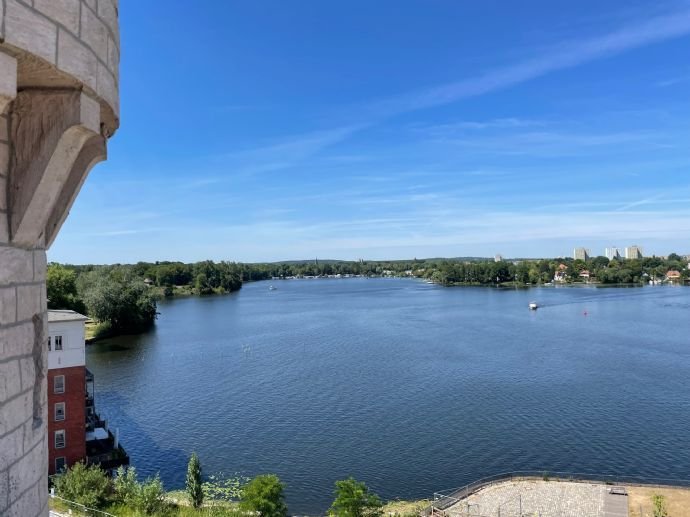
58 343
60 389
64 464
61 433
59 405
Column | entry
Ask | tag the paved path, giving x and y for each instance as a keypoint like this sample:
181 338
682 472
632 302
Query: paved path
542 498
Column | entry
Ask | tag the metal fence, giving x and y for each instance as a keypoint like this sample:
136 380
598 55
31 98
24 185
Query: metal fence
83 510
445 499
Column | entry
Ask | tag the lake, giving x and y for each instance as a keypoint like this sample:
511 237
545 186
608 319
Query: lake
408 386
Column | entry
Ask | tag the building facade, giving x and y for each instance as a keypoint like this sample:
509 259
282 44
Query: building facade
612 253
66 390
75 431
633 252
581 254
59 104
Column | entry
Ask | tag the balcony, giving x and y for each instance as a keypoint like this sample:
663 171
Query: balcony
101 450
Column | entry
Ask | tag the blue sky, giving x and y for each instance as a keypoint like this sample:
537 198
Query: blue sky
271 130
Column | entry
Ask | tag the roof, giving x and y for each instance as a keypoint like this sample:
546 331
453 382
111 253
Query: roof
65 315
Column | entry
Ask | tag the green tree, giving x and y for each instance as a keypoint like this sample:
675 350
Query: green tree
264 494
61 284
127 305
193 481
84 485
353 499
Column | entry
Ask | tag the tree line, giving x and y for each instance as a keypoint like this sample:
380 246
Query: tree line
123 297
125 494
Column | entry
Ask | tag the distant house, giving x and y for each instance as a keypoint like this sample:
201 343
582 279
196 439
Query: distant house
561 273
584 274
148 281
673 275
75 431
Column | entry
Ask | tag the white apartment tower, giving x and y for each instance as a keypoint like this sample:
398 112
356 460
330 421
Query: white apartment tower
633 252
612 253
581 254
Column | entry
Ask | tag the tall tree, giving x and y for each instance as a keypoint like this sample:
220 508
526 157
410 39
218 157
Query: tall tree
354 499
196 494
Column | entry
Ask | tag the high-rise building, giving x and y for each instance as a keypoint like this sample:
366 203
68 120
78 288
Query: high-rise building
612 253
498 257
580 254
633 252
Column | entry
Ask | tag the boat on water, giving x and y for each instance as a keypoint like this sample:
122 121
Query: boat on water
533 306
272 288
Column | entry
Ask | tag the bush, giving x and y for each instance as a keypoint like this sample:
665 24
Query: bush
84 485
126 484
150 497
353 499
193 482
264 494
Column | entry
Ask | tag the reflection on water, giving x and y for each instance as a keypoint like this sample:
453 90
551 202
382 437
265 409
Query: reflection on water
409 386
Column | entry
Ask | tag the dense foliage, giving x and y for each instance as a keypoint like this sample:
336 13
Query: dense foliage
84 485
264 495
354 499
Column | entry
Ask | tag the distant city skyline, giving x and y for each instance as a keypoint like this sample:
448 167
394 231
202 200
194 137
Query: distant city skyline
383 130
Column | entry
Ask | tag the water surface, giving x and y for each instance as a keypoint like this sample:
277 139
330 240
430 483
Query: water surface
408 386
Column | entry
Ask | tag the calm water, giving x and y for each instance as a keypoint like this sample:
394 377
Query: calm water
408 386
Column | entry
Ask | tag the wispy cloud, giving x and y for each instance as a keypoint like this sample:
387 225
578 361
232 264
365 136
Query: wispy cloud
562 56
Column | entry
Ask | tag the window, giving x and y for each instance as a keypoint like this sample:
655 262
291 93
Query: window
59 384
60 464
58 342
48 343
60 439
59 411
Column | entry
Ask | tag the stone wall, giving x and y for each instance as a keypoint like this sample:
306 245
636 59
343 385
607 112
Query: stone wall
58 105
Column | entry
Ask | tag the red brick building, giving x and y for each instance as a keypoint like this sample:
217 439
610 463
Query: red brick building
66 389
75 431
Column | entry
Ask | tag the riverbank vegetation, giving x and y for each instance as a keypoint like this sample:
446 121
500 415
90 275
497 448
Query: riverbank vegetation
125 495
122 298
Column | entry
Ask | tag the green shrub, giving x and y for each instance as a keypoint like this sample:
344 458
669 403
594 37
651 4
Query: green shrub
150 497
659 503
84 485
353 499
264 494
126 485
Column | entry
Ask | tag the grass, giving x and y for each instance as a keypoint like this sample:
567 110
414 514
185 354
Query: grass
640 499
405 508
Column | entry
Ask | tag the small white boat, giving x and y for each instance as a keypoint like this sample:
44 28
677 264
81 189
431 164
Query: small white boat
533 306
272 288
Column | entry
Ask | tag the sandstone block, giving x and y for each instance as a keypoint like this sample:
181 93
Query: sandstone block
11 448
16 412
29 469
77 59
17 340
40 265
108 13
10 384
8 305
29 300
94 33
17 265
29 30
65 12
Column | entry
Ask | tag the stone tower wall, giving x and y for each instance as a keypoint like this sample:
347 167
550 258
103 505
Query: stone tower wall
59 103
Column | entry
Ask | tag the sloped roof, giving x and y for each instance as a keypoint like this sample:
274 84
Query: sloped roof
65 315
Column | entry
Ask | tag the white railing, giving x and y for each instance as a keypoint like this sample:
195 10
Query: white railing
80 507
